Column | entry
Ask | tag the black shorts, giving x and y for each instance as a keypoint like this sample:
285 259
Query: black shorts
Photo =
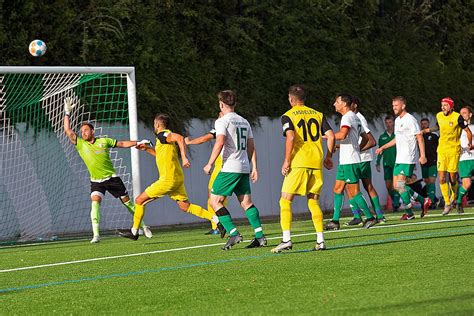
114 185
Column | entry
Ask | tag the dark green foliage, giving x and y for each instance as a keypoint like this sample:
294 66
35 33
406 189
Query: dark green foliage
186 51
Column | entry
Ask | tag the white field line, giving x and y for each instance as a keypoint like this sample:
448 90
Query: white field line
219 244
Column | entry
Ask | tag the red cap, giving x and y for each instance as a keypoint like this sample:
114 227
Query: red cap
449 101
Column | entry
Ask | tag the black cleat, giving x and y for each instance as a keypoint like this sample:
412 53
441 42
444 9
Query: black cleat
320 246
460 208
354 222
332 225
370 222
221 229
128 234
233 240
257 243
213 232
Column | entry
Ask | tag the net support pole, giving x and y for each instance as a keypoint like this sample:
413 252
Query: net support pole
133 121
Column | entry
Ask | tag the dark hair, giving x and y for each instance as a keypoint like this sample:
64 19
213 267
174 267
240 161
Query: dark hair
467 107
228 97
298 91
356 100
425 119
400 98
346 98
163 118
88 124
389 117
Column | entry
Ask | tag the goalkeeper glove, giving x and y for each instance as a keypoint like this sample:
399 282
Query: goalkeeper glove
145 142
68 105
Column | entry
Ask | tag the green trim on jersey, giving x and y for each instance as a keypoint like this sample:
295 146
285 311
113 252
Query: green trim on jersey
388 154
96 156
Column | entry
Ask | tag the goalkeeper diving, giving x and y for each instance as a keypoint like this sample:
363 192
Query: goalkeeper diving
95 151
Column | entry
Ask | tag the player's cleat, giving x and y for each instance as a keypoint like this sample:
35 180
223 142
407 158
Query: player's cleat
257 243
332 225
447 209
213 232
426 207
221 229
460 208
95 239
407 217
284 245
145 231
128 234
354 222
233 240
381 220
320 246
370 222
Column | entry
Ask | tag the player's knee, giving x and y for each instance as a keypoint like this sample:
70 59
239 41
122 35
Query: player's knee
125 198
97 196
400 186
184 205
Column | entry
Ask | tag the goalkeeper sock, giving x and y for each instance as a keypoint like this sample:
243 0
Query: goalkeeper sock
226 221
95 217
285 219
454 191
211 210
316 216
138 216
254 219
198 211
131 208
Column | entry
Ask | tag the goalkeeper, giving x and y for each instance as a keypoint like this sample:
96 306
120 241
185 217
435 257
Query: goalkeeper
95 154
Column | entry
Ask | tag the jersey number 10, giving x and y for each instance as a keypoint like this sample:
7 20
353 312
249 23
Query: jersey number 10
308 130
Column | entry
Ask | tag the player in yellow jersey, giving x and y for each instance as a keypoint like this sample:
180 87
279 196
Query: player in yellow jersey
450 125
171 180
217 168
303 128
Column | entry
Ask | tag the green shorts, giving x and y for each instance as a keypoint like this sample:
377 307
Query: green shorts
365 170
387 173
348 173
429 171
227 183
466 168
403 169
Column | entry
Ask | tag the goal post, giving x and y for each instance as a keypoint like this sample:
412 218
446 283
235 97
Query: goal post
44 185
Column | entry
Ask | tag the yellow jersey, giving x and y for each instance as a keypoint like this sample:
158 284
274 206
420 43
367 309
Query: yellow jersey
450 128
309 126
167 160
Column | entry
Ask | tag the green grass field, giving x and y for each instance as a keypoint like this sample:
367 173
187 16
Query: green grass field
413 267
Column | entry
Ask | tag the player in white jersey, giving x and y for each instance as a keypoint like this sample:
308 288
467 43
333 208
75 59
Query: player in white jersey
234 138
348 171
466 160
366 157
407 135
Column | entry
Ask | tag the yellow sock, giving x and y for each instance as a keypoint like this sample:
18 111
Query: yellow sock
138 215
316 215
454 191
285 214
199 212
444 187
211 210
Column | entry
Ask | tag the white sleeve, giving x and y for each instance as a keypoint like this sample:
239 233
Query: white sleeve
345 121
250 135
416 127
363 121
221 128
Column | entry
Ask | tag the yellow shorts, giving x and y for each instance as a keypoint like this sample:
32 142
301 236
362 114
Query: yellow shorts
302 181
175 190
448 162
215 172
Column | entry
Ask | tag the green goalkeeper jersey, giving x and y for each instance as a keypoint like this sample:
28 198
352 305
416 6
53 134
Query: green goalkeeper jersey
388 154
96 157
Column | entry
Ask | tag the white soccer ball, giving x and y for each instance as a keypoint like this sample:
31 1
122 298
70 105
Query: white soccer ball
37 48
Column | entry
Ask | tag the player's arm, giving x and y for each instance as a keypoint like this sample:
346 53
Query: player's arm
430 129
68 107
216 151
199 140
252 153
421 148
367 142
289 133
466 128
179 139
342 133
391 143
330 142
126 143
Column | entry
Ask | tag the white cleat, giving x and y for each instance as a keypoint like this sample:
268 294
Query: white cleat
320 246
95 240
447 209
284 245
146 232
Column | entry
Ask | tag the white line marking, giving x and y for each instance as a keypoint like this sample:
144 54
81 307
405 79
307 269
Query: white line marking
219 244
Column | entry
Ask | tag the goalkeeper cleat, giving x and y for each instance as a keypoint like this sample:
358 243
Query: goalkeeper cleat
221 229
257 242
370 222
128 234
460 208
320 246
354 222
284 245
426 207
332 225
147 232
213 232
447 209
95 239
233 240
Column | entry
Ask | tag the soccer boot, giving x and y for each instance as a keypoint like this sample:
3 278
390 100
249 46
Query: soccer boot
447 209
95 239
370 222
284 245
145 231
213 232
221 229
257 242
319 246
425 207
381 220
406 217
128 234
354 222
332 225
460 208
233 240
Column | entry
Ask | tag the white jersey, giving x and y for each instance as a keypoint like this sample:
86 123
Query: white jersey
349 148
365 155
406 129
466 154
237 131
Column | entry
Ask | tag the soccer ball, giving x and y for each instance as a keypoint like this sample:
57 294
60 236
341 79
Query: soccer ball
37 48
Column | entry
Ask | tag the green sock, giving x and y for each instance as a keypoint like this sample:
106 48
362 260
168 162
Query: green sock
95 217
405 196
417 197
226 221
254 220
431 190
131 208
395 198
355 210
376 205
461 193
362 204
338 201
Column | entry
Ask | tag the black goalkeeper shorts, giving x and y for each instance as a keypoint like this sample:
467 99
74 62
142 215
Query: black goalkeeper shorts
114 185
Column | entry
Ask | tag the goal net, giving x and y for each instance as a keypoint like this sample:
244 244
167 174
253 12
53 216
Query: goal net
44 184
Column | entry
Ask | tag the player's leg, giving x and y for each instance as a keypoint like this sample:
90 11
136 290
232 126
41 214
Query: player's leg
97 194
374 197
442 166
400 172
338 190
356 198
466 170
315 185
453 181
